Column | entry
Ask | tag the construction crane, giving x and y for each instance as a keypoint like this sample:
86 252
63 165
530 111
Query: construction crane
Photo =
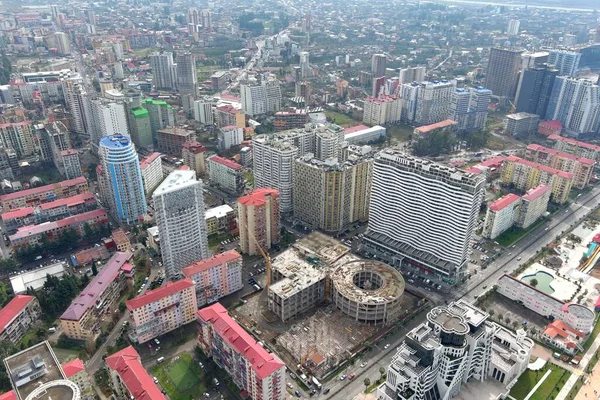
264 254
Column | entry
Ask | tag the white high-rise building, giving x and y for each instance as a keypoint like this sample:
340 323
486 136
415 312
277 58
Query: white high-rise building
382 110
423 215
433 101
409 93
164 70
261 99
122 178
187 80
203 111
575 103
304 64
566 62
78 102
63 43
469 108
457 345
179 211
378 63
513 27
108 118
409 75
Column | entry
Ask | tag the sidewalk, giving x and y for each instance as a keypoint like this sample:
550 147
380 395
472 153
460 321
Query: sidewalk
562 395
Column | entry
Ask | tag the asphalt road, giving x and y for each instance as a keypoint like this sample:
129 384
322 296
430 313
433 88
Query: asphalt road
525 248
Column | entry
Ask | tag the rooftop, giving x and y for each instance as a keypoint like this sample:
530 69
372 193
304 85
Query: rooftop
36 278
30 230
178 131
194 147
145 163
521 115
12 309
504 202
211 262
69 201
263 363
155 295
139 383
218 212
116 141
223 161
448 321
92 292
176 180
537 147
536 192
73 367
258 197
43 189
439 125
567 140
550 170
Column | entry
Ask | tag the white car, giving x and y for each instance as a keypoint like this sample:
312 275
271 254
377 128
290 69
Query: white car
289 385
156 341
342 377
364 364
386 346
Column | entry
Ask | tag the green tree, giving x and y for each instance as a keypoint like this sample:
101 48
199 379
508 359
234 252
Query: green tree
122 306
94 269
381 372
6 349
534 282
367 382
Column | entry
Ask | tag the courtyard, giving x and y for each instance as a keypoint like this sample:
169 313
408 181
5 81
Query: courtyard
181 377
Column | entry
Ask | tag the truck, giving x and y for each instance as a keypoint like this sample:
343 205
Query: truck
316 383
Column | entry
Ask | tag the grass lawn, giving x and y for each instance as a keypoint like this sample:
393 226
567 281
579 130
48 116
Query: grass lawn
340 119
590 339
497 143
249 176
548 390
399 133
513 234
181 377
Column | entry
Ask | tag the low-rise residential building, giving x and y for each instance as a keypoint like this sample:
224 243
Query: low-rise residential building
171 139
219 79
446 127
258 220
51 211
32 235
229 136
162 310
81 320
44 194
18 317
382 110
75 372
362 134
215 277
501 215
121 240
582 168
194 156
220 219
562 337
575 315
521 124
572 146
154 239
525 175
129 378
295 118
457 345
229 115
251 367
152 172
225 174
549 128
534 204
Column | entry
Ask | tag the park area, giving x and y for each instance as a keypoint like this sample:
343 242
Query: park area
181 377
550 383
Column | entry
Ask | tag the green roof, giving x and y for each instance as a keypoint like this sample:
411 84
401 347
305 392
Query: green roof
155 102
139 112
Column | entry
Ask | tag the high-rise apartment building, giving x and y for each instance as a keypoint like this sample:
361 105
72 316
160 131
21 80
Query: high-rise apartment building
535 88
433 101
258 220
225 174
179 212
162 310
414 74
437 207
382 110
152 172
565 61
187 79
194 156
216 277
503 72
129 378
70 164
457 345
305 70
576 103
378 63
170 140
260 373
164 70
63 43
139 119
581 168
262 98
19 137
469 108
572 146
331 195
108 118
123 178
78 102
513 27
229 136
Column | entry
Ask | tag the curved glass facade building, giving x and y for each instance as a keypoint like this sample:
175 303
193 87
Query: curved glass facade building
123 178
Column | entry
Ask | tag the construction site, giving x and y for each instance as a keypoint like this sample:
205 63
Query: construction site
324 303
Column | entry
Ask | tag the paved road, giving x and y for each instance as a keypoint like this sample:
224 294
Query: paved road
525 248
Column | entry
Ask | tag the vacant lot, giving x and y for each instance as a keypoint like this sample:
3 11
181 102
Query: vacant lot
341 119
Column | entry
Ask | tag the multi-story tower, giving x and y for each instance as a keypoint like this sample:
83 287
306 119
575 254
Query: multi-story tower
433 101
576 147
581 168
378 62
123 178
19 137
164 70
63 43
187 80
78 102
194 156
503 72
480 100
329 195
535 87
205 18
575 103
258 220
513 27
437 208
179 211
409 93
566 62
152 172
108 118
382 110
261 99
456 345
469 108
161 115
409 75
305 71
260 373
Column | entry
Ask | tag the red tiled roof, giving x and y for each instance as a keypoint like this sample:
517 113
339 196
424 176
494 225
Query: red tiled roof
87 298
30 230
474 170
154 295
69 201
12 309
22 123
494 162
211 262
73 367
258 196
536 192
263 363
17 213
194 147
541 167
553 124
574 142
10 395
353 129
68 152
559 328
380 99
537 147
504 202
148 160
43 189
136 379
443 124
225 162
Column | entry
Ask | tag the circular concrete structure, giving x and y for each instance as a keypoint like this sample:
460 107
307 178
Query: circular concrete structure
61 389
368 291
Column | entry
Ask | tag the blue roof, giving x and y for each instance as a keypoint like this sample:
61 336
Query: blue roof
115 141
